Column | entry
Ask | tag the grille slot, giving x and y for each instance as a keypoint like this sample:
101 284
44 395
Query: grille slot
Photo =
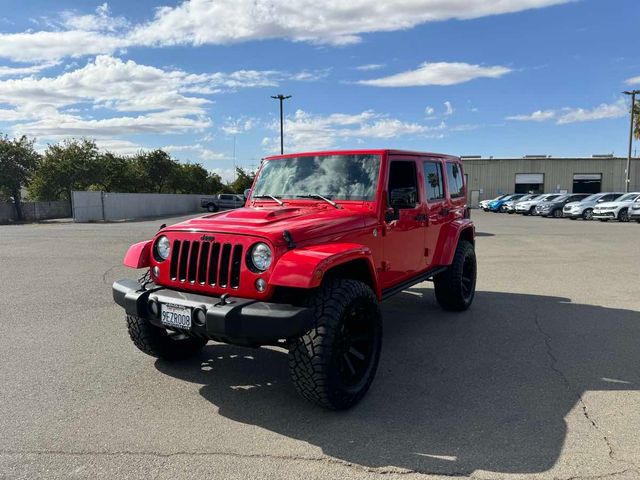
223 276
184 258
175 251
212 263
236 262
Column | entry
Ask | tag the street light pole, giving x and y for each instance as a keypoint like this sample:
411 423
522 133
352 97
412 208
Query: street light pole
282 98
627 182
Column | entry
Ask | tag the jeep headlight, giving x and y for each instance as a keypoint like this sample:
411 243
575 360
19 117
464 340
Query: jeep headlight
261 256
162 248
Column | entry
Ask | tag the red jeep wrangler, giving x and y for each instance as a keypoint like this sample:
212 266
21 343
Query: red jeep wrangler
322 239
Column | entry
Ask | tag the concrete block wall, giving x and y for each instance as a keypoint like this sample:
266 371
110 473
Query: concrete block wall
102 206
34 211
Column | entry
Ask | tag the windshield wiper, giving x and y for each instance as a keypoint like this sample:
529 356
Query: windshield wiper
266 195
320 197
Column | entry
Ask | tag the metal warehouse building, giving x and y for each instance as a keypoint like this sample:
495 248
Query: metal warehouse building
488 177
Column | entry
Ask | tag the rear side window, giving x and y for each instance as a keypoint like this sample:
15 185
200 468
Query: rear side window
433 181
455 180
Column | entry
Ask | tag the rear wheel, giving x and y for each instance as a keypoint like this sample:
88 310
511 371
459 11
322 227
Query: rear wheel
623 216
587 214
161 343
333 364
456 287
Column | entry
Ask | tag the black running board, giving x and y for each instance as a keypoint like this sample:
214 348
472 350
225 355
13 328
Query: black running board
387 292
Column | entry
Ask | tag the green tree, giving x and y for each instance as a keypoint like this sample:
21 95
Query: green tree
18 161
243 180
157 168
214 184
70 165
189 178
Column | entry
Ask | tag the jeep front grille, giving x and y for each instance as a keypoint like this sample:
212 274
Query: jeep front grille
213 263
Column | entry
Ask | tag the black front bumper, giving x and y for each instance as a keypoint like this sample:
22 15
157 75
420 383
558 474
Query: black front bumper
237 320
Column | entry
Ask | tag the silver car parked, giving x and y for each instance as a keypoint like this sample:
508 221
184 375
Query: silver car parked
584 209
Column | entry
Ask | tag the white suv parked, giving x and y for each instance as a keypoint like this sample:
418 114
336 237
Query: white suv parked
584 208
618 209
528 207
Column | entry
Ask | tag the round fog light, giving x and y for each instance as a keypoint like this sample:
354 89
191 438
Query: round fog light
199 316
156 271
261 284
154 308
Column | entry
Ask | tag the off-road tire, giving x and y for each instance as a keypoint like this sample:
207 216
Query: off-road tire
160 343
587 214
455 287
212 207
317 358
623 215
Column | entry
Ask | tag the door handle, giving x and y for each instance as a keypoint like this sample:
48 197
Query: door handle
444 211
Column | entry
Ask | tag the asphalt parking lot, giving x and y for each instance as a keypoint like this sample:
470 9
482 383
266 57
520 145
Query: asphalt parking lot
540 379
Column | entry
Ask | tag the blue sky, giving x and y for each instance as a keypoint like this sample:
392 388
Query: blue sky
480 77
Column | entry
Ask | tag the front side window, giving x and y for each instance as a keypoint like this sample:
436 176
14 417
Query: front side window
337 177
433 181
455 180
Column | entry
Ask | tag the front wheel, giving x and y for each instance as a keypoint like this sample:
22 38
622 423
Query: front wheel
587 214
456 286
623 216
557 213
333 364
161 343
212 207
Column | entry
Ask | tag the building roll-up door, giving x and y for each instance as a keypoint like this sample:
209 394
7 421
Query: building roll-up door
587 182
529 182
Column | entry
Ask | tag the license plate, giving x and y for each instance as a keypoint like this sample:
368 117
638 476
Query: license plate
175 316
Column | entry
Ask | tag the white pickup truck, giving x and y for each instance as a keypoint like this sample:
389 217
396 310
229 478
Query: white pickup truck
222 201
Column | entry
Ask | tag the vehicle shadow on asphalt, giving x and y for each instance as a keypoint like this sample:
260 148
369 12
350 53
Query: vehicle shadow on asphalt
486 389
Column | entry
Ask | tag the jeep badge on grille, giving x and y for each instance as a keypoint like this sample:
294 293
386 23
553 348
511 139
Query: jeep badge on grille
207 238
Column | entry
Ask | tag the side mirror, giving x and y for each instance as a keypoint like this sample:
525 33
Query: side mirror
247 192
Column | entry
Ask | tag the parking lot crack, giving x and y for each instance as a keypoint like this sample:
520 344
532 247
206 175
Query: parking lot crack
553 363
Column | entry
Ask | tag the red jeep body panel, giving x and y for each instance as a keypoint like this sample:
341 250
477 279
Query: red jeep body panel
422 238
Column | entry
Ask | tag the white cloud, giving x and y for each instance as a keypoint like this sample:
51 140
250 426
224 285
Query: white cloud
537 116
602 111
633 81
305 131
53 45
238 125
118 146
439 73
572 115
100 21
202 152
331 21
146 99
6 71
448 108
216 22
429 111
369 67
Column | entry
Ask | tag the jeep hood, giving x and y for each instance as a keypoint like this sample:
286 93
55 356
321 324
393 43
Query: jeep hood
303 222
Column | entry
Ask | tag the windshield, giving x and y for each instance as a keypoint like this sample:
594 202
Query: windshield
338 177
591 198
626 198
554 197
